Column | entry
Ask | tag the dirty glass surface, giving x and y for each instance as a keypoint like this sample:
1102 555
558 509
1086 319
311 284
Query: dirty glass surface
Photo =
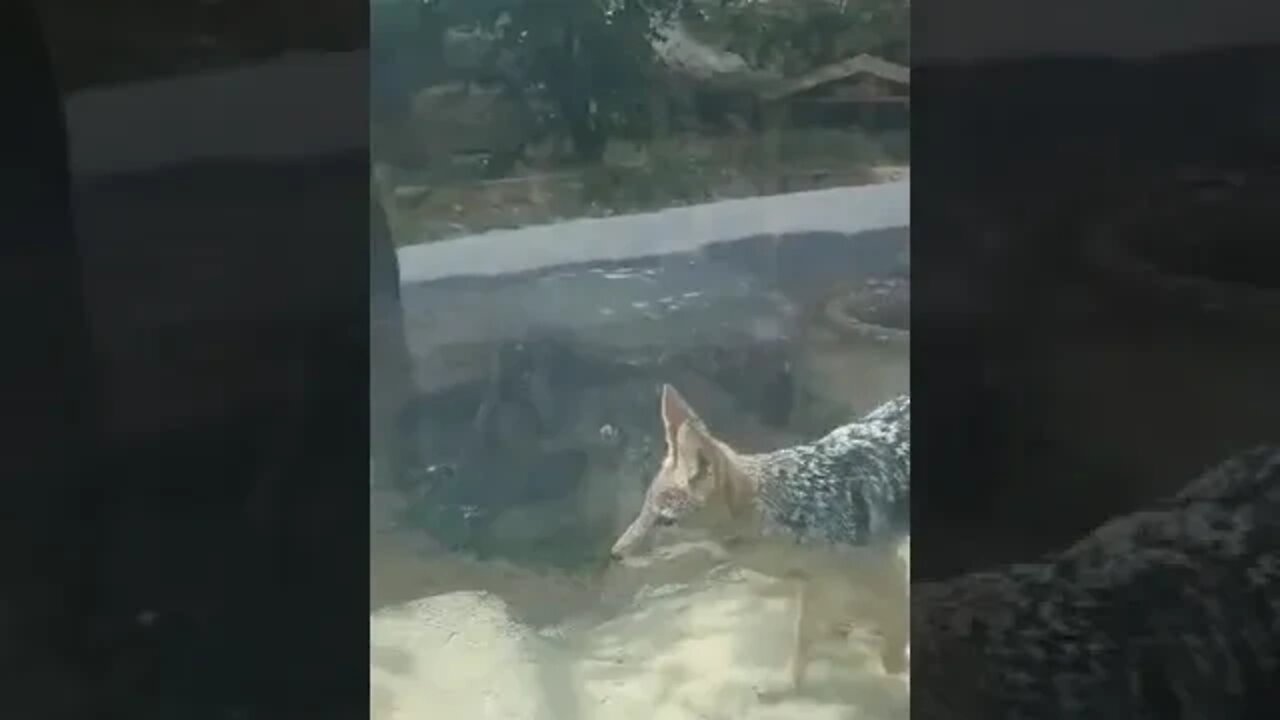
585 203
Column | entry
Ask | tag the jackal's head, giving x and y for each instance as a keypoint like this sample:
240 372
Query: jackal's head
696 484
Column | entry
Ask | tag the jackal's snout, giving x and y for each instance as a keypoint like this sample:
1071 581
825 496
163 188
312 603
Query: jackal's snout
635 536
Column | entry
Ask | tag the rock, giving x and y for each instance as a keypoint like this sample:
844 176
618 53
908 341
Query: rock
879 309
715 647
682 645
461 651
1200 244
390 368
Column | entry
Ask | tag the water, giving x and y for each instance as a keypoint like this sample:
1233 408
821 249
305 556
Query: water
536 431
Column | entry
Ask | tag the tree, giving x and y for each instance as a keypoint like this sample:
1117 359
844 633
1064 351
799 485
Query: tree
593 59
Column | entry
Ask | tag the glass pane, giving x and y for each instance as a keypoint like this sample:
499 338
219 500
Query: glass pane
640 359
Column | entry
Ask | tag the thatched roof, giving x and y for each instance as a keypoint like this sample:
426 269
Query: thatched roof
857 65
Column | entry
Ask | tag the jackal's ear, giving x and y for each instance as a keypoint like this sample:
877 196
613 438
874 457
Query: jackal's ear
675 413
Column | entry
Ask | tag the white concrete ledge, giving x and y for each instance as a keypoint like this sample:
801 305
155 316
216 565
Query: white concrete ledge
846 210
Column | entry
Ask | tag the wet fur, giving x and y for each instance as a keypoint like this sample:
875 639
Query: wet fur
804 512
1170 612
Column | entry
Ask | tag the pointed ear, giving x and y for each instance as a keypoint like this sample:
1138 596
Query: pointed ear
675 413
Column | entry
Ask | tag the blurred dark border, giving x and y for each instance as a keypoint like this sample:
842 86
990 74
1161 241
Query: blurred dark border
1037 179
1094 265
189 358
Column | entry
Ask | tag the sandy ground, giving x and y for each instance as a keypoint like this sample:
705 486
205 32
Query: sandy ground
688 636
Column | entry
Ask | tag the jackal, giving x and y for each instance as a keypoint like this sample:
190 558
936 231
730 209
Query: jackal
801 512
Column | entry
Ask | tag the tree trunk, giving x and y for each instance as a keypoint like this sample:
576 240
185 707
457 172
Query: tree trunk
391 381
573 97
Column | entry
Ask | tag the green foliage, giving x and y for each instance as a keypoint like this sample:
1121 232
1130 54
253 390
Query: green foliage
585 69
829 145
592 58
669 176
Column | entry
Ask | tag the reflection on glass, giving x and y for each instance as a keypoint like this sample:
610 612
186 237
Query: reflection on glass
640 378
